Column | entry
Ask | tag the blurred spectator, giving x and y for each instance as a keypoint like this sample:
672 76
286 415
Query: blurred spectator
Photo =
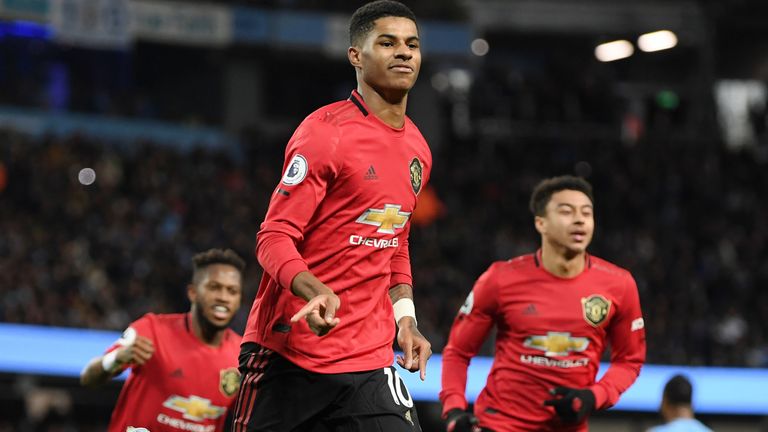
689 225
677 408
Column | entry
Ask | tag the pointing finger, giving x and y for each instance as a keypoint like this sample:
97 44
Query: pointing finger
306 310
423 366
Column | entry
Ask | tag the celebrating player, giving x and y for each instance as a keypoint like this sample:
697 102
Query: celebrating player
554 312
317 351
183 366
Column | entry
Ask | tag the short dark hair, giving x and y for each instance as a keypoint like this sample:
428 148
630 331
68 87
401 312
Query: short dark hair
363 19
216 256
678 390
543 191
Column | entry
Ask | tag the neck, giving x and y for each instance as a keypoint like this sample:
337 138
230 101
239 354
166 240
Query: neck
679 412
205 332
389 106
561 262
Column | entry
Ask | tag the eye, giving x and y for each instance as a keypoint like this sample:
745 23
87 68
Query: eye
413 46
386 44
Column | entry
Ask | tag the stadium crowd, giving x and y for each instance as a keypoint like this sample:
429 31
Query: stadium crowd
686 219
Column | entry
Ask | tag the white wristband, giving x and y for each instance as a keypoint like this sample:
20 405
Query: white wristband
403 308
109 361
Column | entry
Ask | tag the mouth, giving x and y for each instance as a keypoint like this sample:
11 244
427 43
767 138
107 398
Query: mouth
402 68
578 236
221 312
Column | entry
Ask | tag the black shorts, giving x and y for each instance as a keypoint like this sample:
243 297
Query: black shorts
278 396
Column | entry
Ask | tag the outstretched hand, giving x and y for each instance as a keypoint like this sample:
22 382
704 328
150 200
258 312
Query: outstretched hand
416 348
320 313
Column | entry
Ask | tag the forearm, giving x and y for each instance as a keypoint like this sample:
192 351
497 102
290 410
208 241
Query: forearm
400 291
307 286
403 292
94 375
454 379
277 254
619 377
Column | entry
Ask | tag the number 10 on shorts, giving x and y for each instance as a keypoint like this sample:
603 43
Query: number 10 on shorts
396 386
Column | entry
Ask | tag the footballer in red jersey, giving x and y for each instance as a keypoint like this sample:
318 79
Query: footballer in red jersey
184 374
555 313
334 246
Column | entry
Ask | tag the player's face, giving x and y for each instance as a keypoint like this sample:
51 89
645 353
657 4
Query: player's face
217 294
569 221
389 57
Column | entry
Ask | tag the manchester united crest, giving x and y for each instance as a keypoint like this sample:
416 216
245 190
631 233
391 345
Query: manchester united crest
596 309
229 382
415 169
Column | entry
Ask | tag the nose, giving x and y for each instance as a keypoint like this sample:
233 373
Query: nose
227 297
403 52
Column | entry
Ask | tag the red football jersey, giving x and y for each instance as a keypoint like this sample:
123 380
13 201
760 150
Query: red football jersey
342 210
551 332
186 385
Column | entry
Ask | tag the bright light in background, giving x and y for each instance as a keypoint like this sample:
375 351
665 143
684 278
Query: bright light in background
615 50
480 47
441 82
657 41
86 176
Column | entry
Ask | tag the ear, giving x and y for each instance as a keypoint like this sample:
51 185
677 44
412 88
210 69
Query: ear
540 223
354 54
192 293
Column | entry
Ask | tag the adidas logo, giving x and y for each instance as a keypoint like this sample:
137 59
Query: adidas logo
371 174
530 310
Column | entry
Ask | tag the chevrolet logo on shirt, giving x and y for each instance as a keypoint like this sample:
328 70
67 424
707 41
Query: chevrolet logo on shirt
557 343
194 407
386 219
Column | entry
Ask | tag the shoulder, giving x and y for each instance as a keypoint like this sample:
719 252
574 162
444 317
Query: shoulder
174 318
336 115
515 265
414 132
146 319
509 268
322 130
156 321
608 268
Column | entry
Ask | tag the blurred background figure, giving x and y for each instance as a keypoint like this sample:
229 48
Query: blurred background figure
183 366
677 408
182 109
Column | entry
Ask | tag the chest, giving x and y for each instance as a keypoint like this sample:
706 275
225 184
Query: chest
543 305
185 368
382 169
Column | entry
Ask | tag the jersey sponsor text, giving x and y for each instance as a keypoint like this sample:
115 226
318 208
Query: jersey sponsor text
373 242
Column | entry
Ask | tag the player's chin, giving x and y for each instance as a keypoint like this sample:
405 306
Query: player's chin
220 322
403 83
577 248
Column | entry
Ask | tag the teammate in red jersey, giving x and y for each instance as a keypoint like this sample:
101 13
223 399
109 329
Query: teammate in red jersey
554 312
184 373
317 351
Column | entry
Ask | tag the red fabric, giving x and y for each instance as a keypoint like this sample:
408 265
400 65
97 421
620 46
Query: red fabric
182 370
526 303
356 165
